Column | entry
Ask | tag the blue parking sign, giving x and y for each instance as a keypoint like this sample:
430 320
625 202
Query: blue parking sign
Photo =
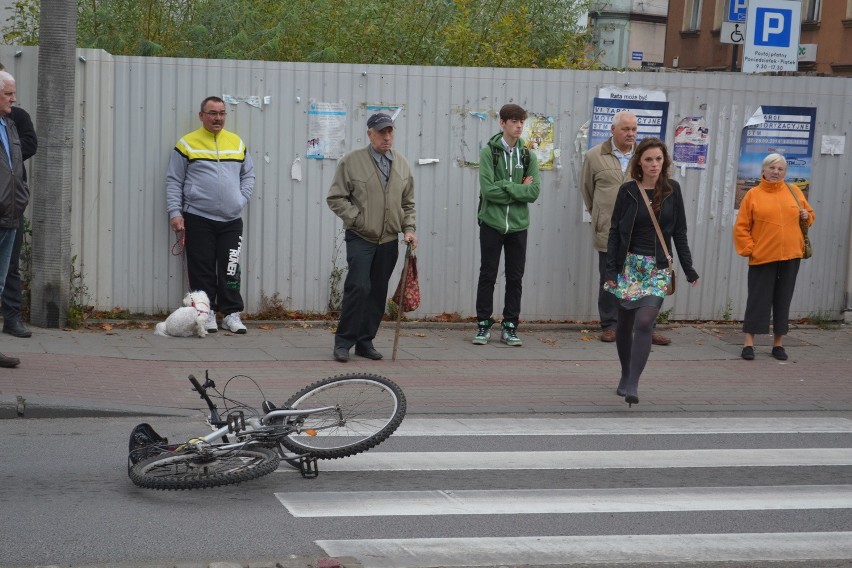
772 27
771 36
737 10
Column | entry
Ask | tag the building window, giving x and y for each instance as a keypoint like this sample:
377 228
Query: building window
721 13
810 10
692 15
848 9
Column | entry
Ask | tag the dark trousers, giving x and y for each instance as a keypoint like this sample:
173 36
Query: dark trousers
491 243
770 291
11 297
365 291
213 260
607 302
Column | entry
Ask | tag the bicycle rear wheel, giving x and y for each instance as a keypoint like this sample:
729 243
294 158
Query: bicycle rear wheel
367 409
189 469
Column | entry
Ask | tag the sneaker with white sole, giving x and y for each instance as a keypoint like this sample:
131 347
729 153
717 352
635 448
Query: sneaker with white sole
233 324
483 332
508 335
211 326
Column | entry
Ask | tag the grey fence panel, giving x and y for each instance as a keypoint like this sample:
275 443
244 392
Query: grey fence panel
132 110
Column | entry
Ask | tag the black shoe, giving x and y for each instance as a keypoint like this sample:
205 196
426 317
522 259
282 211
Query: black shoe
631 399
748 353
9 362
368 353
779 353
341 354
620 391
16 328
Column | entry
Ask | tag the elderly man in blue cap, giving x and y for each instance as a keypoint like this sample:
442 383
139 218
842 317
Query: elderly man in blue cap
373 194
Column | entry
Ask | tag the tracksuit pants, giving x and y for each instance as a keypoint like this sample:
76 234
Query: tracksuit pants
213 260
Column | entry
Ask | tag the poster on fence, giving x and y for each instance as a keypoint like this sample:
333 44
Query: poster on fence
788 131
690 143
326 130
538 134
651 118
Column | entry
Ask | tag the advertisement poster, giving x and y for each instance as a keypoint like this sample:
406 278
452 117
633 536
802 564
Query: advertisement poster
326 130
788 131
538 133
651 117
690 143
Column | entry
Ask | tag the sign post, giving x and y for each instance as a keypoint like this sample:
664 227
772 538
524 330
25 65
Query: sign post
772 36
733 28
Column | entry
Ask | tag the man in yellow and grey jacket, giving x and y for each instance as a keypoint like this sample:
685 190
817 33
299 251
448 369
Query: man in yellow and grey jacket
209 181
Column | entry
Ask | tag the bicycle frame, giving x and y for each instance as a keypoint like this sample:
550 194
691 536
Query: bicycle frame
236 423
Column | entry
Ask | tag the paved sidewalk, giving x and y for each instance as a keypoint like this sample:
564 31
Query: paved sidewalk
560 369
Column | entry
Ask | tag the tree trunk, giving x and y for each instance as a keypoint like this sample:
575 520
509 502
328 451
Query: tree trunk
52 167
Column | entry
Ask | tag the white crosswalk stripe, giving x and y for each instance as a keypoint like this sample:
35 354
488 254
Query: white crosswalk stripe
775 544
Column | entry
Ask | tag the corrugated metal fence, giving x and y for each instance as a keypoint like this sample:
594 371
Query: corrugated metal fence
131 110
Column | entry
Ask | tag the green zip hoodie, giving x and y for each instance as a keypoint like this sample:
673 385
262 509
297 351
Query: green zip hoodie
504 203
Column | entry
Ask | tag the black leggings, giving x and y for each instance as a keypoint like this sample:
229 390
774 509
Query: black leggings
633 341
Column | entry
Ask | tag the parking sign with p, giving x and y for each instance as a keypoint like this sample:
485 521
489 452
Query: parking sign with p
772 36
773 27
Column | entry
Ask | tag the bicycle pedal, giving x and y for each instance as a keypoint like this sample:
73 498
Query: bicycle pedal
236 421
308 467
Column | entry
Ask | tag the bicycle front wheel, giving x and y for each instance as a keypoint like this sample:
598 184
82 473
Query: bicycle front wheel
366 410
188 469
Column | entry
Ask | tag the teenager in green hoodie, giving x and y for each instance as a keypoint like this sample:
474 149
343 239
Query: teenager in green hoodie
508 183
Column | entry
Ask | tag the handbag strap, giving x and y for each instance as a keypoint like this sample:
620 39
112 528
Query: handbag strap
802 223
656 225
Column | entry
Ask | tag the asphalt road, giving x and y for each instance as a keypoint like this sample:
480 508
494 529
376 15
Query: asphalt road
66 498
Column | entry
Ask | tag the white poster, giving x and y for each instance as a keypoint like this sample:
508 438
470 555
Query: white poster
326 130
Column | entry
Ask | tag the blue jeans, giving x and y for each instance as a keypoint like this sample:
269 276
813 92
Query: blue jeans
7 241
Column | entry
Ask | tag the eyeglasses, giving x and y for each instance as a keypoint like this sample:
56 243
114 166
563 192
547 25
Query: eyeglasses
214 114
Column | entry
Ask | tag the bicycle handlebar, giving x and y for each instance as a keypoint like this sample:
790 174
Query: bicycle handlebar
202 391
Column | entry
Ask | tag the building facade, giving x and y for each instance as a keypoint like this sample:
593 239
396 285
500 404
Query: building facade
693 37
629 33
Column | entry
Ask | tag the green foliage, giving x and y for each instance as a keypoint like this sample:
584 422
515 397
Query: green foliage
79 294
22 23
480 33
823 320
728 311
664 315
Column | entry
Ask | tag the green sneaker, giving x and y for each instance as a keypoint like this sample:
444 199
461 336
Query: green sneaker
509 337
483 332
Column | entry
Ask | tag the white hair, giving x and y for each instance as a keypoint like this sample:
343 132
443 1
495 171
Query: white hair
772 158
621 115
5 77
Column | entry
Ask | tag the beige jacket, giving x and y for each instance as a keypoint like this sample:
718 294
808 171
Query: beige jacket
375 213
601 178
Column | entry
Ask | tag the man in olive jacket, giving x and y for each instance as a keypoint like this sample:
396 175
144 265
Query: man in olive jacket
373 194
508 183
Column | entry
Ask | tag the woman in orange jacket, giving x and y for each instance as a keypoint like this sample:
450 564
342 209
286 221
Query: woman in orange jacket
767 231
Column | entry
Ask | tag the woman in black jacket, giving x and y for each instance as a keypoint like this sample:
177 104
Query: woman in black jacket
637 268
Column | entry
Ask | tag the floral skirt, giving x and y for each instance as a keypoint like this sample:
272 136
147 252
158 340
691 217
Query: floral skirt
641 283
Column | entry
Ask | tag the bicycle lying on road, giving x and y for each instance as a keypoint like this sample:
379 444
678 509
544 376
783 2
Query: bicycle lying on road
332 418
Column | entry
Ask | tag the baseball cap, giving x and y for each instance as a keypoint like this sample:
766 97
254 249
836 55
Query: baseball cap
379 121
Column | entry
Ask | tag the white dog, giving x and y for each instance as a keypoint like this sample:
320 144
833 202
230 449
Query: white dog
189 320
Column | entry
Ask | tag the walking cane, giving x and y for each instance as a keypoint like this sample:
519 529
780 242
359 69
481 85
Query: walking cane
401 300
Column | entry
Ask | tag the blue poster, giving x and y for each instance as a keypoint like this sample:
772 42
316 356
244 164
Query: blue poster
650 115
788 131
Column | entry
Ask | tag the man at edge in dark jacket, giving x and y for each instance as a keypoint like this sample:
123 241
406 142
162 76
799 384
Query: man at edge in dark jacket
14 193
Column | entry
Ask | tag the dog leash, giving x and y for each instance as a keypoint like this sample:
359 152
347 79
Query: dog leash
178 249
